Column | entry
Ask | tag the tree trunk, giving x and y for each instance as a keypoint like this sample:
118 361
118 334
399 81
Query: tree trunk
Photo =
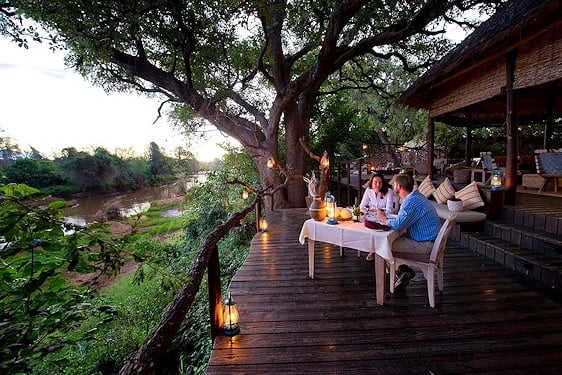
295 156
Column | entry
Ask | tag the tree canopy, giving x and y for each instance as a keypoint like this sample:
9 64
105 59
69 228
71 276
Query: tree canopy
253 69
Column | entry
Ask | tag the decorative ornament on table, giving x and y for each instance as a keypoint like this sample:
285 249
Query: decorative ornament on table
317 209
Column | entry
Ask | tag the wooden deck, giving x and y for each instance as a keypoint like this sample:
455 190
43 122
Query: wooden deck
489 319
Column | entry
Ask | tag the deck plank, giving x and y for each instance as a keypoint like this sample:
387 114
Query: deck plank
489 319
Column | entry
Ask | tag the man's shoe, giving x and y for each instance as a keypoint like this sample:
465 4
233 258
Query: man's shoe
405 274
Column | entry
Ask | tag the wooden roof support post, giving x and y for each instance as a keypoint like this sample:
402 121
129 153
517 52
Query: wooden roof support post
549 125
511 131
430 146
468 143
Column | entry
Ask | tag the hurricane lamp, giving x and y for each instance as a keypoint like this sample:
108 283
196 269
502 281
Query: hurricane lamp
270 163
332 211
230 315
324 161
496 180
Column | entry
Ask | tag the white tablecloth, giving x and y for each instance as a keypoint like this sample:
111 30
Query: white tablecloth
350 234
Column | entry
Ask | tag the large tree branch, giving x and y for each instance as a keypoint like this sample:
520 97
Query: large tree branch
272 16
260 117
246 132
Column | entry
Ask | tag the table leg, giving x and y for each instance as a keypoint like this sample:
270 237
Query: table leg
311 258
379 278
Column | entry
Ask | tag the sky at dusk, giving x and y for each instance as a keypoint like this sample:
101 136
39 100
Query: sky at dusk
48 106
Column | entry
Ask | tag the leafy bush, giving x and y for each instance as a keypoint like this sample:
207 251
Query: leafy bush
115 323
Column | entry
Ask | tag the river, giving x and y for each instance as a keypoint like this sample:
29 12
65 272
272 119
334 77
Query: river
88 210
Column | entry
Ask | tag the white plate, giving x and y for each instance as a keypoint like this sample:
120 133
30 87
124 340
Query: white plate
372 217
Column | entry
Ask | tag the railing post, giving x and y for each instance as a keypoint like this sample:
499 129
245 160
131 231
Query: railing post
258 216
215 296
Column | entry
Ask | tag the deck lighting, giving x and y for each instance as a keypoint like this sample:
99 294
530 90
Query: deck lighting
331 209
496 181
263 225
324 161
270 163
230 315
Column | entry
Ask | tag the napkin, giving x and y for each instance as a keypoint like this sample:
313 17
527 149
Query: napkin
374 225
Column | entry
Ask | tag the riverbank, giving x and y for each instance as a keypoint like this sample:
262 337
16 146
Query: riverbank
152 222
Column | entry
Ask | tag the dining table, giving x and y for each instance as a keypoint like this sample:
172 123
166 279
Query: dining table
354 235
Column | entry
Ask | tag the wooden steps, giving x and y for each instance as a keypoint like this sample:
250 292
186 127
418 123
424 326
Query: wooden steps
526 238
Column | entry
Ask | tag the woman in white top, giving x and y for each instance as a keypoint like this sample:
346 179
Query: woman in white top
378 196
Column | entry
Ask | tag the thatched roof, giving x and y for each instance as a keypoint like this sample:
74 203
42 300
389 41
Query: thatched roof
512 26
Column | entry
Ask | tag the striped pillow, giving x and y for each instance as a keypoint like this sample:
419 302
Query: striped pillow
470 197
426 187
444 191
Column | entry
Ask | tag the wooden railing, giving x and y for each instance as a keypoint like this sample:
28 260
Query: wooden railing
147 358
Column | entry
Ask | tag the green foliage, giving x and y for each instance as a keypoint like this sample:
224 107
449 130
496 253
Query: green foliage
37 307
37 173
98 173
253 70
121 317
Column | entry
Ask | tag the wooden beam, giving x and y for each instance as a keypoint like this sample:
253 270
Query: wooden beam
215 297
511 130
430 146
468 143
549 125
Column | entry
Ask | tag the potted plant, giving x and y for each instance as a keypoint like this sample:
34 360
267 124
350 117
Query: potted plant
454 204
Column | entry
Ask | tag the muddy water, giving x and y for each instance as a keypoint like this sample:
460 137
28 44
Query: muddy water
88 210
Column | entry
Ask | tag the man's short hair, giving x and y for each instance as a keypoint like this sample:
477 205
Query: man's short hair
405 180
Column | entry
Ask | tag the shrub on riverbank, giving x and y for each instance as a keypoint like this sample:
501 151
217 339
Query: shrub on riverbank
137 302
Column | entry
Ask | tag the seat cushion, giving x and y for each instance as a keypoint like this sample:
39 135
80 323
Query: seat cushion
444 191
426 187
470 197
462 216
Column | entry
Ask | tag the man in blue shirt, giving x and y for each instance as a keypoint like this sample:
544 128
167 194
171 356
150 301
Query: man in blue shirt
418 218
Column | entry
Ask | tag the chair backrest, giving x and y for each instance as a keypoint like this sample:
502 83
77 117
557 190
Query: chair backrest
487 162
438 249
548 161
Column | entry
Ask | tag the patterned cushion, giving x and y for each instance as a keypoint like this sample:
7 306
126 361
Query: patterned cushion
444 191
470 197
426 187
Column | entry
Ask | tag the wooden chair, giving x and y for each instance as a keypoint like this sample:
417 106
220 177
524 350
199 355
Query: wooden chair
428 263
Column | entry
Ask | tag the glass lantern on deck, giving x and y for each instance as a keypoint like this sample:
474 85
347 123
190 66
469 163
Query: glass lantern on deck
230 325
331 209
496 180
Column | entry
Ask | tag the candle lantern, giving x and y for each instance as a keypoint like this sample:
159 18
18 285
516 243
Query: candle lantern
245 194
270 163
230 315
324 161
263 225
496 180
331 210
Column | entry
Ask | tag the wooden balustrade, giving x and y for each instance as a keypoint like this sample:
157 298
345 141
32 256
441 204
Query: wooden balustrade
146 359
